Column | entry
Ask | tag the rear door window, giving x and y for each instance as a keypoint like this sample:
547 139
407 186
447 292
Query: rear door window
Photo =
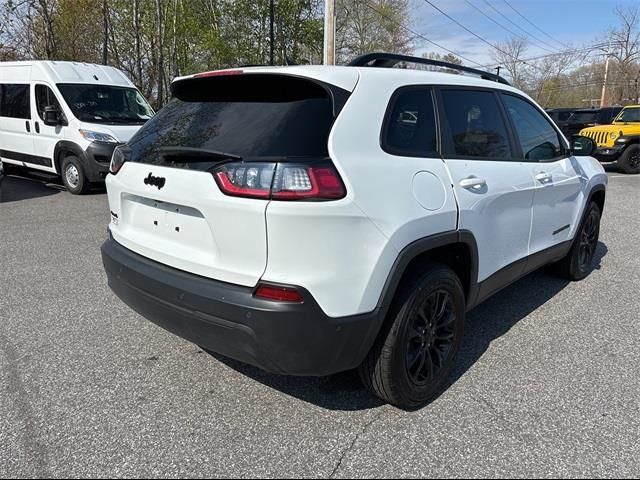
250 116
410 125
14 101
476 125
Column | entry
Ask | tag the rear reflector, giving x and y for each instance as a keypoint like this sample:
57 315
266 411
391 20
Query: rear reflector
278 294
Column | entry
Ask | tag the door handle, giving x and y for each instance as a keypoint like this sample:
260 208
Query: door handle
473 183
28 125
544 177
37 127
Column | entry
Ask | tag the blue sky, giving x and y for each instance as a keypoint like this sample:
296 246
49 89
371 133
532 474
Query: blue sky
575 23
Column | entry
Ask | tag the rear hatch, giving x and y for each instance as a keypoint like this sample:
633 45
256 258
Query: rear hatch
168 197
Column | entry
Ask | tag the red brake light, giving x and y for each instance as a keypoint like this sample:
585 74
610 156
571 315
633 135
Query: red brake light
282 181
295 183
278 294
245 180
218 73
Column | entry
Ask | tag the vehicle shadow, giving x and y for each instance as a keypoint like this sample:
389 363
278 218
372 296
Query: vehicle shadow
486 323
27 186
15 189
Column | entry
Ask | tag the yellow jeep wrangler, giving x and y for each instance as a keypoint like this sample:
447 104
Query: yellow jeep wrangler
619 141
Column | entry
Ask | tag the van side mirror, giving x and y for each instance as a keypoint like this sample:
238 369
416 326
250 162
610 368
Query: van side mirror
582 146
52 116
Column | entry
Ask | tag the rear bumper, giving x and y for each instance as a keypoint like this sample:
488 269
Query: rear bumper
609 154
283 338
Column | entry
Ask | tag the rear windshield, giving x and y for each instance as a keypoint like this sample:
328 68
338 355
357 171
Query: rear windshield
254 117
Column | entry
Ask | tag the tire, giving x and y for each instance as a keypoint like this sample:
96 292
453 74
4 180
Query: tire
413 354
73 175
629 162
578 263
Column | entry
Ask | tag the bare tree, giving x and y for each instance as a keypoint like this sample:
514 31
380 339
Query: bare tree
364 26
624 47
511 58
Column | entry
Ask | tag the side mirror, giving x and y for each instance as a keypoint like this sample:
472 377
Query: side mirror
582 146
52 116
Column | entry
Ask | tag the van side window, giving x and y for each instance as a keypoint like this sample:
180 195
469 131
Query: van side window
410 126
15 101
45 98
539 140
476 124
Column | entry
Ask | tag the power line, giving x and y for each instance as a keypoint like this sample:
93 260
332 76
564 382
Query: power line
494 20
565 52
516 59
419 35
533 24
482 39
528 33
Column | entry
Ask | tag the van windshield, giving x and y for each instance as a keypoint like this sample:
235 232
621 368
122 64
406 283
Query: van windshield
106 104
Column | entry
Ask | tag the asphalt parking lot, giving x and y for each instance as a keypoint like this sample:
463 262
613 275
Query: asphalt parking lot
548 382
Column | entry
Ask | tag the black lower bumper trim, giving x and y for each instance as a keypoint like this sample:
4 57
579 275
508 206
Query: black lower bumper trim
293 339
606 155
98 156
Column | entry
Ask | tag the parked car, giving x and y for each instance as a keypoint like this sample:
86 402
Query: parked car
572 120
560 116
589 117
66 118
310 220
620 141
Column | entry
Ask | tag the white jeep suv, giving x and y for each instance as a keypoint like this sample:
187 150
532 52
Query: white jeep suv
310 220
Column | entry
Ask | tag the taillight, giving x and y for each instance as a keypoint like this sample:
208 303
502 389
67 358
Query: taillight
277 293
245 180
282 181
119 157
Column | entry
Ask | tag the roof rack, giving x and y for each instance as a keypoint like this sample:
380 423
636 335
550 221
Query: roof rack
388 60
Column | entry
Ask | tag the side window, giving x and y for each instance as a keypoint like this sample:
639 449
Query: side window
476 124
539 140
410 126
14 101
45 98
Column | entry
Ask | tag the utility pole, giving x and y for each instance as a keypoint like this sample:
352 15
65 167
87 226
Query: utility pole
603 97
637 91
271 35
329 32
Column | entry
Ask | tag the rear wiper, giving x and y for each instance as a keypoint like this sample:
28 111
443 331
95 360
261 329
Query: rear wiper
198 152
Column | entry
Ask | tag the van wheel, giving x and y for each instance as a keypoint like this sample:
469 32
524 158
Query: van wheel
629 162
73 176
579 261
416 350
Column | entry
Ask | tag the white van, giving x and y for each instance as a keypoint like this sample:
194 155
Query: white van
66 118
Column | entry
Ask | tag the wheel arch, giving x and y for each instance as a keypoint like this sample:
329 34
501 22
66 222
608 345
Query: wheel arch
598 195
456 249
64 148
